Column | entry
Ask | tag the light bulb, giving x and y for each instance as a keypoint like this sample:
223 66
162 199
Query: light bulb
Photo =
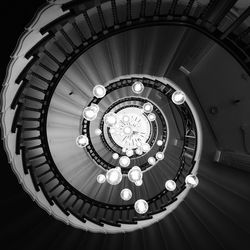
98 131
137 87
95 107
89 113
114 176
141 206
147 107
159 142
151 117
191 180
99 91
145 147
101 178
178 97
135 174
124 150
110 119
126 194
170 185
129 152
124 161
82 141
139 183
115 156
159 155
151 160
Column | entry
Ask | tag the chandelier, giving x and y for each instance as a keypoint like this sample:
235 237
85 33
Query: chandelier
130 129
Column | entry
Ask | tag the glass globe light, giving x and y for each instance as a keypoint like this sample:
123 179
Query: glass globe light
127 130
125 118
151 160
159 155
129 152
112 130
137 87
126 194
110 119
170 185
101 178
192 180
124 161
82 141
98 131
99 91
135 174
139 183
114 176
151 117
178 97
89 113
115 156
141 206
159 142
138 151
145 147
147 107
95 107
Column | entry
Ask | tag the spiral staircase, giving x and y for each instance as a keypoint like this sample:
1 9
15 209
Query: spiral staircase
201 47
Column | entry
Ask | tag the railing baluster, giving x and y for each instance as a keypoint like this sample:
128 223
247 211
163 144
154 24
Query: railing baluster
236 23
